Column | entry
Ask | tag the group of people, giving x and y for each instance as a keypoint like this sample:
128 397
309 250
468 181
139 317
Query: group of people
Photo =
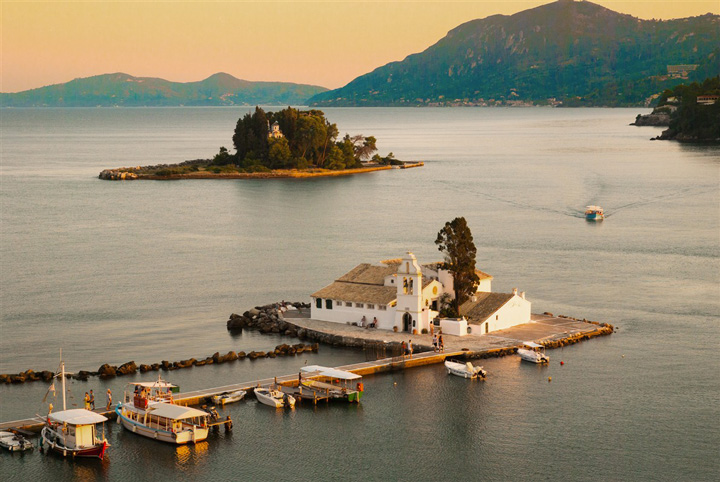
90 400
407 348
437 342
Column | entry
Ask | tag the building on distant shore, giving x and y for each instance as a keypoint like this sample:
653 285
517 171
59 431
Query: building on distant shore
404 294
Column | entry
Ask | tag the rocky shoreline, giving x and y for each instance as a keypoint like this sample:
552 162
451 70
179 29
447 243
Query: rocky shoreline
201 169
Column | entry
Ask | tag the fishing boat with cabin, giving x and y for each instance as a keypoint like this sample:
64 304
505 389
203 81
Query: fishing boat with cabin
148 410
332 383
74 432
533 353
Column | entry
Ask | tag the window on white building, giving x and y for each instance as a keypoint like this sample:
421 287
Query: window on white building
318 303
370 307
382 307
328 304
358 305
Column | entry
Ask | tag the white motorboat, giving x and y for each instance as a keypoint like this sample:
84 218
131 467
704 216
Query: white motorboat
14 442
228 397
149 411
533 353
274 398
73 432
465 370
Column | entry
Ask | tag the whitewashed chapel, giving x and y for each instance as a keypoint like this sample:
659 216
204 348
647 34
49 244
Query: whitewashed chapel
404 294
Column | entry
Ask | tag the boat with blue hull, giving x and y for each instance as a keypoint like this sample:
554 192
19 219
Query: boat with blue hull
594 213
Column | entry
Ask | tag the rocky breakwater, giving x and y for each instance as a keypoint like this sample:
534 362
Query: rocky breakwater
267 319
110 371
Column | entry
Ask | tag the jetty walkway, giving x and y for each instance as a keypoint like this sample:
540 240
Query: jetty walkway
543 329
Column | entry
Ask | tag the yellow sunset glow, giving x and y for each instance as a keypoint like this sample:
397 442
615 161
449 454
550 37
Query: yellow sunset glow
326 43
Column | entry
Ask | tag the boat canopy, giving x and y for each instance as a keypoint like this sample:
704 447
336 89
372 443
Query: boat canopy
175 412
532 344
155 384
317 370
77 416
594 208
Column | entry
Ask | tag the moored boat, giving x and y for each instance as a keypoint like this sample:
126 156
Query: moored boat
149 411
231 397
533 352
274 398
594 213
465 370
332 383
73 433
14 442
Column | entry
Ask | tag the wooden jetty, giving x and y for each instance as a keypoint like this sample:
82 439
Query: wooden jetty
199 397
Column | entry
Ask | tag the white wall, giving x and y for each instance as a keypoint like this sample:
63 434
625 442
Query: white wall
344 314
514 312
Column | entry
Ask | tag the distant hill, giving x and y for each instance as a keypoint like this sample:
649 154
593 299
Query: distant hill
576 52
125 90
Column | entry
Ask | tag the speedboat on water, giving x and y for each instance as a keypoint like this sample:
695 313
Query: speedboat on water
465 370
594 213
14 442
274 398
149 411
533 353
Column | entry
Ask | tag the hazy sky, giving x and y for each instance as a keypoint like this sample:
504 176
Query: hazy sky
326 43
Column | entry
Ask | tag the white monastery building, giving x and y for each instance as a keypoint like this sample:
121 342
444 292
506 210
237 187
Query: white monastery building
404 294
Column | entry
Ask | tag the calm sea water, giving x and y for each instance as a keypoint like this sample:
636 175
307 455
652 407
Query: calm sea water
148 271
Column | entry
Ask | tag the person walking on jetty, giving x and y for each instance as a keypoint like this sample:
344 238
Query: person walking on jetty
440 342
87 401
403 349
109 399
435 343
410 349
92 400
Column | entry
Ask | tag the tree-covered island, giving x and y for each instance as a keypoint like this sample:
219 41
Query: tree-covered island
288 143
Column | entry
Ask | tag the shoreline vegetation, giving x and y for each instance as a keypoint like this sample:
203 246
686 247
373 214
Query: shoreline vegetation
286 144
691 113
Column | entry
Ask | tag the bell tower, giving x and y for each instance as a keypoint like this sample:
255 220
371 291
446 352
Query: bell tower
409 294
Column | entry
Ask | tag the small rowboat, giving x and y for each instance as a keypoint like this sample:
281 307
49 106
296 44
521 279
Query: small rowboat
228 397
465 370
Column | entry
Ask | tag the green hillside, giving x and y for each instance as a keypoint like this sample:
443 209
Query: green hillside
578 53
125 90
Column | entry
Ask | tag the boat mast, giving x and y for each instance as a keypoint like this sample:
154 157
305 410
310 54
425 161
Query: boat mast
62 374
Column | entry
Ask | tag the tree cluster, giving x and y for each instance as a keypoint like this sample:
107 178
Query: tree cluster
308 140
692 120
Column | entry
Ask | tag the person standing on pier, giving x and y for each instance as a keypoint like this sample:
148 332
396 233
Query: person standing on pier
440 342
87 401
435 343
109 399
403 349
92 400
410 349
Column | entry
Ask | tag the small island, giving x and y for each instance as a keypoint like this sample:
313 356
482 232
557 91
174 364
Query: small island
288 143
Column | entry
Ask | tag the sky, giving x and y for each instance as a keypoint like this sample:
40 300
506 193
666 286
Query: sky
326 43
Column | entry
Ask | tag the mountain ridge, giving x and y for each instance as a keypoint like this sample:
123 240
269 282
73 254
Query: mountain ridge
577 52
121 89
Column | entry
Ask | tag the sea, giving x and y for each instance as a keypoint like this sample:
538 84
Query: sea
110 272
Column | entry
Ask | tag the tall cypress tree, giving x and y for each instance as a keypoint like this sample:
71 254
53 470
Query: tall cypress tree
456 242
